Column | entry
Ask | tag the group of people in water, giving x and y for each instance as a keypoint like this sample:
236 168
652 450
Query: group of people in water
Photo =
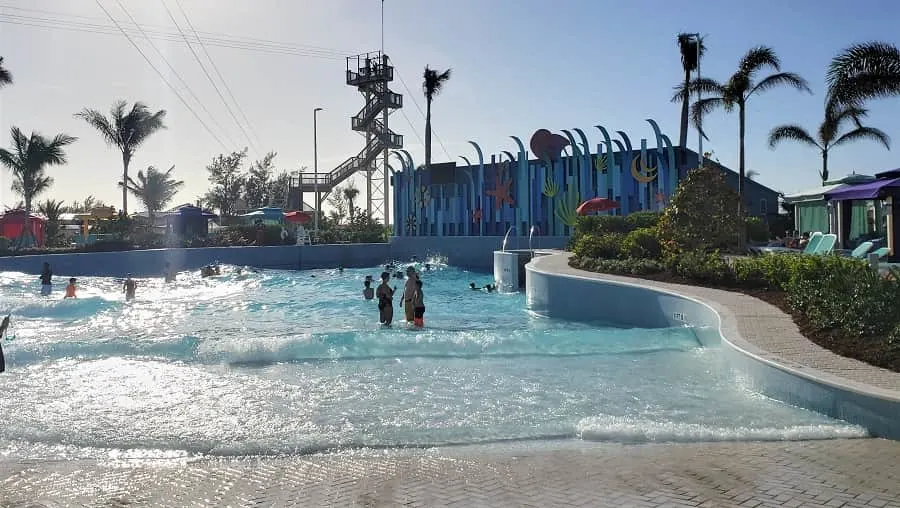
412 299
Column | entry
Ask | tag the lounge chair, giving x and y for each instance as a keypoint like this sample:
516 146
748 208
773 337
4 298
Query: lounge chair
861 250
882 252
824 246
813 244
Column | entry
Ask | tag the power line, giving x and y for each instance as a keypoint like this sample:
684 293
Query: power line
162 76
177 75
208 76
433 133
216 69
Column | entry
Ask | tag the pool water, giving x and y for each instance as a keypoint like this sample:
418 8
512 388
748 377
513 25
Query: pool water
281 362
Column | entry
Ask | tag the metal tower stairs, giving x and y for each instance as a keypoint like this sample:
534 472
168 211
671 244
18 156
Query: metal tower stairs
370 73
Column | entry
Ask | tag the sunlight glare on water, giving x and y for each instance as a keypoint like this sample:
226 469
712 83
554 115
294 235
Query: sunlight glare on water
281 362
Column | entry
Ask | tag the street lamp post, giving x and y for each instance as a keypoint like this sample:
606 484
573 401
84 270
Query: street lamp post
316 170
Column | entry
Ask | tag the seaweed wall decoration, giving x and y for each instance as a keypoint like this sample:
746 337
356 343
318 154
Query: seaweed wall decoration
551 189
566 208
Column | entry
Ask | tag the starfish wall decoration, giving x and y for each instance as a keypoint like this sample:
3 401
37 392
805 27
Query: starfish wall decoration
502 190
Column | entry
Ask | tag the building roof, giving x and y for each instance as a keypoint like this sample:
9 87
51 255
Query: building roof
818 193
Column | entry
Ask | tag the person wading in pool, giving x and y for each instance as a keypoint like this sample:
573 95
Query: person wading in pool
3 326
409 293
46 278
385 296
129 287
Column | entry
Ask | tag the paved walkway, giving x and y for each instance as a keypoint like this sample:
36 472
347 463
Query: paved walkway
861 473
773 333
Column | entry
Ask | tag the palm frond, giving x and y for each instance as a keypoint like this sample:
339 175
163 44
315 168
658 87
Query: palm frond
433 81
836 115
757 59
781 79
687 46
861 133
864 71
5 76
702 108
792 133
706 86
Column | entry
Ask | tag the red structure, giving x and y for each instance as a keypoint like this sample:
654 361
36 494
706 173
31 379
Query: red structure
13 224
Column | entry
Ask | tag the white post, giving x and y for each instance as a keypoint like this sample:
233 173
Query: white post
315 171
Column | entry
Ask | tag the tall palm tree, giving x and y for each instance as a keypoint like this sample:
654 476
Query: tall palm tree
869 70
5 76
155 189
28 160
734 94
432 85
125 130
690 61
829 135
350 193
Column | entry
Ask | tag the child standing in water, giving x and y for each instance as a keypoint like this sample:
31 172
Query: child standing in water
385 296
368 292
46 277
70 289
419 305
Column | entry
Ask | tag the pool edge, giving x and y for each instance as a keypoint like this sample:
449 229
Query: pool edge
555 290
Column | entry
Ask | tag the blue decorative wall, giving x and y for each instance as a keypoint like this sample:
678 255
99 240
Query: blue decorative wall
487 197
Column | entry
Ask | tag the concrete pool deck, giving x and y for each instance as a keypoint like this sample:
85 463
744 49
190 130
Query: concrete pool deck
857 473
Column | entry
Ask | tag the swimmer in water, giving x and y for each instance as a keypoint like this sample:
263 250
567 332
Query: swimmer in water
385 296
473 287
3 327
129 287
70 289
368 292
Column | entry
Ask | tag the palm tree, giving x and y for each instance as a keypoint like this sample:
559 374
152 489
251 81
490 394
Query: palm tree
432 85
829 136
869 70
28 160
690 61
126 130
5 76
52 210
154 189
350 193
734 94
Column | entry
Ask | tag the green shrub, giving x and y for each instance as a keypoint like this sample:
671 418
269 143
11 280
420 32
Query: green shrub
640 220
757 230
606 245
702 214
618 266
703 266
641 243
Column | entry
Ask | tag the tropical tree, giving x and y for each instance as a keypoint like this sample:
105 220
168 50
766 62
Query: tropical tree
5 76
28 161
126 130
260 183
339 205
690 61
155 189
869 70
86 205
829 135
735 93
350 193
228 182
432 85
52 210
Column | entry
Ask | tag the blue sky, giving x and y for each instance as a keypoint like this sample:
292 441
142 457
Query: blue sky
518 66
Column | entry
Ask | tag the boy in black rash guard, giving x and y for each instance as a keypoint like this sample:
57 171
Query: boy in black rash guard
385 296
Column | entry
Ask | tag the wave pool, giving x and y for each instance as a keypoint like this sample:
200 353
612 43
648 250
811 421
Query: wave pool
280 362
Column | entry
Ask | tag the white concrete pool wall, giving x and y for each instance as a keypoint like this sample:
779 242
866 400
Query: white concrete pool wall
573 297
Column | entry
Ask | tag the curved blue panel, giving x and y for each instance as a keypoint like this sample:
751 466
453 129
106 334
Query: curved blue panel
519 142
402 160
627 143
673 169
471 192
620 189
576 152
584 140
466 160
480 153
409 159
657 132
510 155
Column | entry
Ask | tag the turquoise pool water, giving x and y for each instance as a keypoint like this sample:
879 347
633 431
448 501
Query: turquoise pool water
282 362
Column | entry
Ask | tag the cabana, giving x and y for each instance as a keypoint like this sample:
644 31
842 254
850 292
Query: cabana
265 216
189 221
853 204
25 231
811 212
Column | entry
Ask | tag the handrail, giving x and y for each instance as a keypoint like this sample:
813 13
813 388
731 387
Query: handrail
530 235
505 238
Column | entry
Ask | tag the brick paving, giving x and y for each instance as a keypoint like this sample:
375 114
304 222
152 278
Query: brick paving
860 473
